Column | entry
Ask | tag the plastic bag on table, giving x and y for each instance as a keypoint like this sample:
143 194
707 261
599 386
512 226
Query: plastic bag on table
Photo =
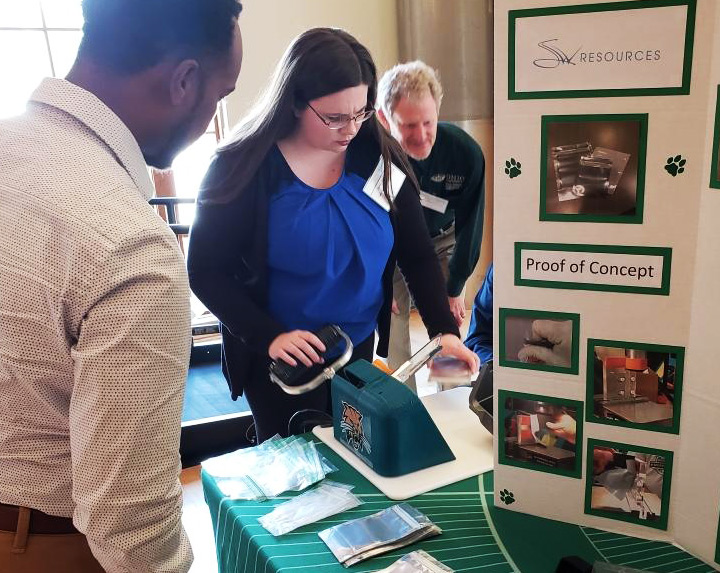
293 466
417 562
329 498
389 529
269 469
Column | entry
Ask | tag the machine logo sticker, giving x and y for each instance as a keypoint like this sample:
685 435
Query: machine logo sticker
352 428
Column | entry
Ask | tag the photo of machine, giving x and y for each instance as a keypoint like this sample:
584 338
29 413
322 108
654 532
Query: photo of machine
636 386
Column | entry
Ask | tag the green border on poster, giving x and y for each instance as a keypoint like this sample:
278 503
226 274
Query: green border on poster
684 89
546 120
542 314
679 352
502 456
714 175
664 252
717 545
667 478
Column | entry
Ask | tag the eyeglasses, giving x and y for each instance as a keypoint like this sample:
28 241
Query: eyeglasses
340 121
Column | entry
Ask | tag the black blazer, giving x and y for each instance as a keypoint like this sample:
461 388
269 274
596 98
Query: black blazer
227 262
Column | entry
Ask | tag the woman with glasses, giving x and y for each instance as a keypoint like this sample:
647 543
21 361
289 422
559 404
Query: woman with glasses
300 220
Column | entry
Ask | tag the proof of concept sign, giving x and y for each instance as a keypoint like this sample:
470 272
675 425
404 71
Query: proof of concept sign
615 268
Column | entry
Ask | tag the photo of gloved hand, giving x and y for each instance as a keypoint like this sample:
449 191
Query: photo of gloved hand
549 342
563 426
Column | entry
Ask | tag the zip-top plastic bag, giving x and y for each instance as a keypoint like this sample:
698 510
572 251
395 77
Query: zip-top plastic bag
386 530
269 469
328 498
417 562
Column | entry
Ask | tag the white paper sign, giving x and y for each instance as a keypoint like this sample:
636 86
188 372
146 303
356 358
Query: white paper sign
621 270
599 49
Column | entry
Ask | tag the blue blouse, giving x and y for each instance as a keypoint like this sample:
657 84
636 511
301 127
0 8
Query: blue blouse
327 250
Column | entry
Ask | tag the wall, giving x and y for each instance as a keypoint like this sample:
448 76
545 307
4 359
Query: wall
268 27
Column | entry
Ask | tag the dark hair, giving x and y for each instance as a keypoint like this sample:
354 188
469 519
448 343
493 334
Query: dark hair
129 36
317 63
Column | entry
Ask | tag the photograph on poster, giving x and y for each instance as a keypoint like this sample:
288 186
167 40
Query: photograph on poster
634 385
539 340
540 433
628 483
717 546
593 168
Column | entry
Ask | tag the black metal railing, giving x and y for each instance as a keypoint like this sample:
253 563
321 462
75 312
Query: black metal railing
170 204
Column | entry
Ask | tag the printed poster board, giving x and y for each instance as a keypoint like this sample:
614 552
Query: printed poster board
607 266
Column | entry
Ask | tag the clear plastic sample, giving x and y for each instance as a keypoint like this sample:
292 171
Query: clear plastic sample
449 372
584 171
619 163
566 162
593 177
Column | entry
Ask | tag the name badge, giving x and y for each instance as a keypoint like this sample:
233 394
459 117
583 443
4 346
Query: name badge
433 202
374 186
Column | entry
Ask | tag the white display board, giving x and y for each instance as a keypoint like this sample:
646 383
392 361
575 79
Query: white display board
607 265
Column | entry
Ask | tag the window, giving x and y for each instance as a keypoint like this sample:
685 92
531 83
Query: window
37 39
189 167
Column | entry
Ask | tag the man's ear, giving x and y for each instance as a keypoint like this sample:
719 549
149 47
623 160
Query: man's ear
383 119
185 83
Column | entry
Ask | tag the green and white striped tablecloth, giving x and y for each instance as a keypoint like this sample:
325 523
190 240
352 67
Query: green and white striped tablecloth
476 535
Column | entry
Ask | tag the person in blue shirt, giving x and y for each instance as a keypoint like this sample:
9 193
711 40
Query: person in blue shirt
301 219
480 333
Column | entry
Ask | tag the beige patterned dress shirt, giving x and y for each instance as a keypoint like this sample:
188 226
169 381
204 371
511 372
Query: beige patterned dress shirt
94 333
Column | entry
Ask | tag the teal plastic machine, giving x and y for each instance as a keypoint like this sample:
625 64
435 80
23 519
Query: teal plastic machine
375 415
384 423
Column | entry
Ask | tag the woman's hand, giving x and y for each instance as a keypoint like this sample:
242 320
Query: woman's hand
302 345
457 307
453 346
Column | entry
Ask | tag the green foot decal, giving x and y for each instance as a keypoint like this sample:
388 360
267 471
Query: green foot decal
507 497
512 168
675 165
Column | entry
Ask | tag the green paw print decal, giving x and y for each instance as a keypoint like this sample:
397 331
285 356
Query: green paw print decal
507 497
675 165
512 168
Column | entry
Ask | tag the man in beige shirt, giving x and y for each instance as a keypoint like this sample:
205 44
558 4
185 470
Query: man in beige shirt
94 300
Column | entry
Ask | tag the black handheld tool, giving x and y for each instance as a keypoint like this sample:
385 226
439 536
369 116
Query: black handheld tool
300 378
538 341
481 396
